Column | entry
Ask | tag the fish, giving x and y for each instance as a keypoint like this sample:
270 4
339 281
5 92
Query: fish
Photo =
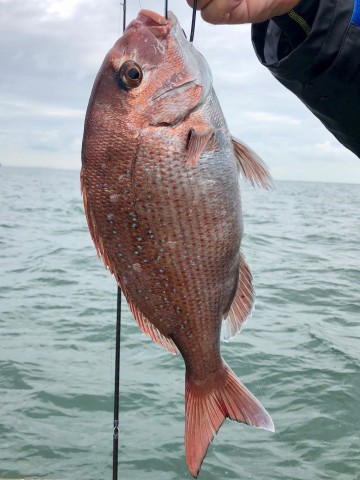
160 185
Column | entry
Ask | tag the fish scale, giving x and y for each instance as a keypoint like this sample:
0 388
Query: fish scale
171 195
162 199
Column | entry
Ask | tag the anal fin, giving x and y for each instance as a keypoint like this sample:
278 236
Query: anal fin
242 304
148 328
251 166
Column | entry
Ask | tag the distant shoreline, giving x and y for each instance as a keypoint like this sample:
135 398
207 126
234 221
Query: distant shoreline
78 170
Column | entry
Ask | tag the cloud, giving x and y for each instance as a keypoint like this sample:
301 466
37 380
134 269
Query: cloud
63 8
267 117
35 110
50 53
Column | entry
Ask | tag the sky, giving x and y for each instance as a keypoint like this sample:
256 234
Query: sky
51 50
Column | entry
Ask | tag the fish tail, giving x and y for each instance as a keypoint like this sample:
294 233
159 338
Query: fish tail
207 407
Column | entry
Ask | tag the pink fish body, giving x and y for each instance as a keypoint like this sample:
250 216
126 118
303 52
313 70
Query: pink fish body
161 193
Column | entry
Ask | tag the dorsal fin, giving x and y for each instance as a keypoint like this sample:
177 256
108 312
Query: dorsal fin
242 304
251 165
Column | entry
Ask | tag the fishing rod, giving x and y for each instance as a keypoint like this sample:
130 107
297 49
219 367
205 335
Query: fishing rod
118 303
117 354
117 387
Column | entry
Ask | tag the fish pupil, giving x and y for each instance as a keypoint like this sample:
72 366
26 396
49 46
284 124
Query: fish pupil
134 74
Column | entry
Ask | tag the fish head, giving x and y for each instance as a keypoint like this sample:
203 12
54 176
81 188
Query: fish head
153 75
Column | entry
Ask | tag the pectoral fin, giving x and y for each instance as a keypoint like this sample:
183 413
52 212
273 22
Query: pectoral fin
199 137
251 165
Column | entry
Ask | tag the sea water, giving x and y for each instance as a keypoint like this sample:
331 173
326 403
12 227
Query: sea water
299 353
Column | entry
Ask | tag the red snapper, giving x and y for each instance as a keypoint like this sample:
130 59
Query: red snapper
161 193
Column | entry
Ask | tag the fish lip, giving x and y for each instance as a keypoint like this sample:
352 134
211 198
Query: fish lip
158 25
153 16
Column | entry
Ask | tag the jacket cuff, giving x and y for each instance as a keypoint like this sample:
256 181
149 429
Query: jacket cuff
323 69
295 26
323 30
301 16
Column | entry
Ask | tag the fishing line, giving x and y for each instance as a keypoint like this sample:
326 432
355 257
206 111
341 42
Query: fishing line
193 20
124 14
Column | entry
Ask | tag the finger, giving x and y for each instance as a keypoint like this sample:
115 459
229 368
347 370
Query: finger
242 14
200 4
220 11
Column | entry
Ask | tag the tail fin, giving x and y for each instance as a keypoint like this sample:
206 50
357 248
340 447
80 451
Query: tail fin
206 409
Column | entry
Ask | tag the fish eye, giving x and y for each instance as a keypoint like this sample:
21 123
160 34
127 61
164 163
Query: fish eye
130 75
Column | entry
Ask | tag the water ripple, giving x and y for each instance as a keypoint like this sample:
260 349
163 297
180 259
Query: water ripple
299 353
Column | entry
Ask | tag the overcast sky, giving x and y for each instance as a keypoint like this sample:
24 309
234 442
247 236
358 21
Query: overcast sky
51 51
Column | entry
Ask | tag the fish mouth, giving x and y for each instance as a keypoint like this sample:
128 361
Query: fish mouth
158 25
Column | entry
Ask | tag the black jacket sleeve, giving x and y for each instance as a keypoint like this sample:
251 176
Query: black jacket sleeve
314 51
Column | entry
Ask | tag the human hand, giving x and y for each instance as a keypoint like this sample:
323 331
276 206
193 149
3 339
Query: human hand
242 11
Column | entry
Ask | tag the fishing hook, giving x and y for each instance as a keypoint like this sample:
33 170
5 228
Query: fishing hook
193 20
